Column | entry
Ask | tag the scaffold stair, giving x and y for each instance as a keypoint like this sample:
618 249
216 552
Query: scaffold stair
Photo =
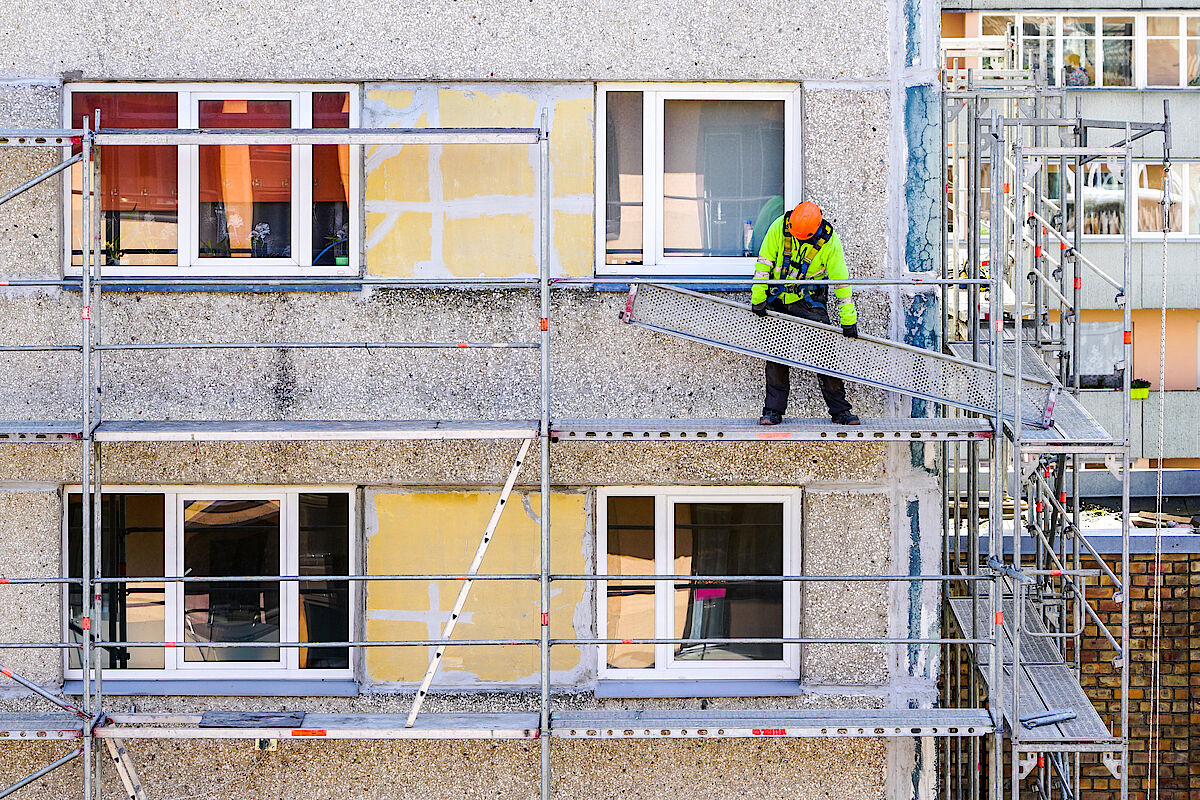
1044 680
881 363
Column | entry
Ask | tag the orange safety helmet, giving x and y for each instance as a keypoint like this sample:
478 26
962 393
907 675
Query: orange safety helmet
805 219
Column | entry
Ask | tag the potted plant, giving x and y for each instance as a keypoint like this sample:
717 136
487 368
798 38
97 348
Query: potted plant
1139 389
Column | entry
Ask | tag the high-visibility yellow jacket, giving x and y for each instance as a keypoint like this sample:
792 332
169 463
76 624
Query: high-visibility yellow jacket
806 263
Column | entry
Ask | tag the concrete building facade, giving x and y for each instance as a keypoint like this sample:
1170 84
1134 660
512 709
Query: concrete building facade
848 104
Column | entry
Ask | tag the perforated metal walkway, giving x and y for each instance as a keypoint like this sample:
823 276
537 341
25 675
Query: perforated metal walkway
821 348
1045 681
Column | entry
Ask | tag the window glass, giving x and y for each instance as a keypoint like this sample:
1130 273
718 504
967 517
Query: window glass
1162 51
1038 36
1101 350
131 545
1103 200
230 538
139 184
1079 51
245 191
1117 40
713 538
995 24
324 549
630 604
1191 74
1150 195
331 183
722 163
623 199
1193 174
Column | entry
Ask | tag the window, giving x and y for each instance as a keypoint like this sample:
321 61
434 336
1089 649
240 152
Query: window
1101 353
220 210
1150 197
219 534
692 177
701 532
1082 49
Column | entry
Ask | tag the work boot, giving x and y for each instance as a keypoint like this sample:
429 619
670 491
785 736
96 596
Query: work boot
770 417
847 418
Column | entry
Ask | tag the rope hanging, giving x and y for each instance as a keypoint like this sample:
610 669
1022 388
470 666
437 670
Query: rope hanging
1156 663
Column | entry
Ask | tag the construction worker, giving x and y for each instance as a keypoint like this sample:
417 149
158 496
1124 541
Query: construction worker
802 245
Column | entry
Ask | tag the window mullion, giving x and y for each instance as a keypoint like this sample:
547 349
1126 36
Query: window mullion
664 558
187 227
289 591
173 594
652 143
302 249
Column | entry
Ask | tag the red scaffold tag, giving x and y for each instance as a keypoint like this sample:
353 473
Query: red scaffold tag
86 623
544 324
87 312
999 618
545 619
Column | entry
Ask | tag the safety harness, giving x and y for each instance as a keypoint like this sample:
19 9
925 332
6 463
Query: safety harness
789 271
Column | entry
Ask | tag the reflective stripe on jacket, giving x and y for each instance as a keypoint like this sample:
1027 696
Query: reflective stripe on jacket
828 263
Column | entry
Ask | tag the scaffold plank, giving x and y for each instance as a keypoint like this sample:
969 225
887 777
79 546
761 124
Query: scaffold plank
884 364
741 430
497 725
48 431
39 727
311 430
290 136
767 723
1043 679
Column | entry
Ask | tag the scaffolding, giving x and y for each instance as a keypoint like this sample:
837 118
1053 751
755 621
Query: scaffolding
998 601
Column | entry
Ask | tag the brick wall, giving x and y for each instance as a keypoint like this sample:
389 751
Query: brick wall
1179 733
1180 678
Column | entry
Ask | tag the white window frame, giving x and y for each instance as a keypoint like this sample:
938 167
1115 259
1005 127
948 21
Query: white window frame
175 665
190 265
1140 41
654 97
665 497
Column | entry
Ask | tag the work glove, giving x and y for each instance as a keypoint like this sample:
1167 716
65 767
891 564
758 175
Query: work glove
850 331
759 308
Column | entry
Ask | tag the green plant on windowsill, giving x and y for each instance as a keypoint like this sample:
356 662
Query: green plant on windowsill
1139 389
219 248
338 243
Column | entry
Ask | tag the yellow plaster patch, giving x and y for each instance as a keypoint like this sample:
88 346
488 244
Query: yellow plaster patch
438 532
392 98
476 169
408 241
403 177
573 242
572 151
499 244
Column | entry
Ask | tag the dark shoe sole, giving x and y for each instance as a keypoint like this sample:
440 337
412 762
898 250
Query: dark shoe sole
855 421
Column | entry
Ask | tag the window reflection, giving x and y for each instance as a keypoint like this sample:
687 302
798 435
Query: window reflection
728 539
722 165
228 538
131 546
139 184
245 190
331 183
623 171
630 604
1150 196
324 549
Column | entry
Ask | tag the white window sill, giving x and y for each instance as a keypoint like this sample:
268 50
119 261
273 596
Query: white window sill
753 687
185 687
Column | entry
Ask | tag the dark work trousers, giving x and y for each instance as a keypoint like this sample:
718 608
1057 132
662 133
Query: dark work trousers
779 377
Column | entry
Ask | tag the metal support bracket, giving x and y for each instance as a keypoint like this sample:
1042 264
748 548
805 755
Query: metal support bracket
1114 763
1025 764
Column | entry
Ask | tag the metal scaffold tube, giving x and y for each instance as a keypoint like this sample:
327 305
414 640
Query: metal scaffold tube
544 450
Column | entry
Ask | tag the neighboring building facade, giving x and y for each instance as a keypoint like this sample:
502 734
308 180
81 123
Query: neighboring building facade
1122 62
671 126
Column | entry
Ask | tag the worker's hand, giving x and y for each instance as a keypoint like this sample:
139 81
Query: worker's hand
760 308
850 331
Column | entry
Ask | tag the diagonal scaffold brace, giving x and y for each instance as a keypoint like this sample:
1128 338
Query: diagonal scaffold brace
888 365
463 591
